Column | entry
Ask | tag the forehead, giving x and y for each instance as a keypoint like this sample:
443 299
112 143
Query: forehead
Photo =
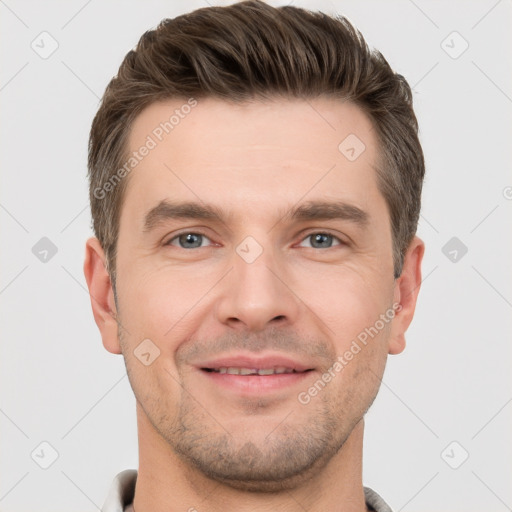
256 153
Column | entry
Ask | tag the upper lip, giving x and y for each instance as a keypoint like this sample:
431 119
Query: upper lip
251 361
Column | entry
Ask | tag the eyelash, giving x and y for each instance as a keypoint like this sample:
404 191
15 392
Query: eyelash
328 233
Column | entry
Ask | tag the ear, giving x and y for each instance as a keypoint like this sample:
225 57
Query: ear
102 295
407 287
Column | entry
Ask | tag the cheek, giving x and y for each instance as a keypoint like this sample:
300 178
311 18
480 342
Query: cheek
164 305
345 300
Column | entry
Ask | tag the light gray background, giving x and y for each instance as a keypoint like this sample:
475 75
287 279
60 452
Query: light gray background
452 383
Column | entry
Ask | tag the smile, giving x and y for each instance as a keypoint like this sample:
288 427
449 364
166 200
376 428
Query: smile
252 371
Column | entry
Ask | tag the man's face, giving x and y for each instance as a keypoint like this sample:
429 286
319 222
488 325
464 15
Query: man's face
295 264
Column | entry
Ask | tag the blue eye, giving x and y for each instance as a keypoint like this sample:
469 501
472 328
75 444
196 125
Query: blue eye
188 240
322 240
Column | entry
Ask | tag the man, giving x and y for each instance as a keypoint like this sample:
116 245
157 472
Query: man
255 179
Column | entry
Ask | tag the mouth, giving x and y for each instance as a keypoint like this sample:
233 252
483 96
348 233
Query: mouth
233 370
252 376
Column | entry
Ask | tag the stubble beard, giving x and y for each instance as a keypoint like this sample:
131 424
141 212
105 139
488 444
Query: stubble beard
293 452
278 460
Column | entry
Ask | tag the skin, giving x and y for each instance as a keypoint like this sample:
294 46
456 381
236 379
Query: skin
213 448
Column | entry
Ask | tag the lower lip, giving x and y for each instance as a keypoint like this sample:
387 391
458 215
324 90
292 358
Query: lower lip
256 384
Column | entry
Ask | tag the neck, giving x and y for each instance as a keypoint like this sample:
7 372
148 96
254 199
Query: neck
167 483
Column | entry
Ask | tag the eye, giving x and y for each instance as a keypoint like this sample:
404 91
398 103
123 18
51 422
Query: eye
188 240
321 241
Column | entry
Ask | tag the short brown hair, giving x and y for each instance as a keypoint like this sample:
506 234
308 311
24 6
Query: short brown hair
250 50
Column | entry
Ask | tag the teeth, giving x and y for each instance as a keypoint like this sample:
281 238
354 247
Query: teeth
254 371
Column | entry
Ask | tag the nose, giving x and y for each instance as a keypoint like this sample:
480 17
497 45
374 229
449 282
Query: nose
256 295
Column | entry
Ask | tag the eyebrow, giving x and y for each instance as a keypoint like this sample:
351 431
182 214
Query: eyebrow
328 210
311 210
166 209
